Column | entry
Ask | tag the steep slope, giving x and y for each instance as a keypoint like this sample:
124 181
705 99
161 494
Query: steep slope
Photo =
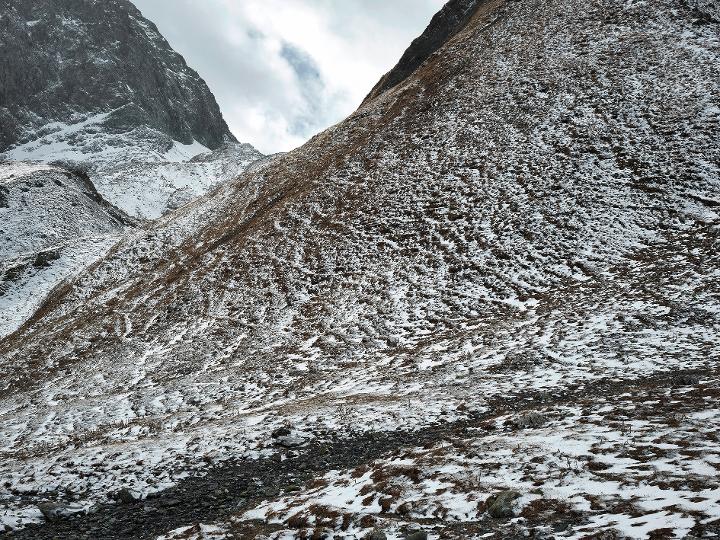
511 255
151 189
94 84
54 223
66 60
450 20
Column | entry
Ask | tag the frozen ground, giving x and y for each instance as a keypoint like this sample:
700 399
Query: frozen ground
150 189
52 225
506 232
630 464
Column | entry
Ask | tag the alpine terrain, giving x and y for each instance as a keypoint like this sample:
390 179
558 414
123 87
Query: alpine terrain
485 305
92 82
52 222
92 88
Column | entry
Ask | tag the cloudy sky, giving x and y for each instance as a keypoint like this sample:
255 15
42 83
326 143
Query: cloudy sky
283 70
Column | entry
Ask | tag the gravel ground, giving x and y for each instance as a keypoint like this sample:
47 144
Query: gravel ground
231 488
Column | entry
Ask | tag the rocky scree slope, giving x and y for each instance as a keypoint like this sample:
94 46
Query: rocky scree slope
533 211
93 83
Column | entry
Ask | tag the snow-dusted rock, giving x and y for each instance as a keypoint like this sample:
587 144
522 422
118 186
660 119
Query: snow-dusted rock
93 84
531 419
53 223
67 62
500 505
551 166
376 534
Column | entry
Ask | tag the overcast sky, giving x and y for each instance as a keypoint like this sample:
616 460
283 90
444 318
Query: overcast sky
283 70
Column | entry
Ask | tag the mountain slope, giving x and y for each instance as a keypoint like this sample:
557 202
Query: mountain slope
93 84
54 223
151 189
450 20
525 224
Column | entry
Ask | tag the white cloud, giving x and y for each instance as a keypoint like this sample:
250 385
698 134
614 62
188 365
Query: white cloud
283 70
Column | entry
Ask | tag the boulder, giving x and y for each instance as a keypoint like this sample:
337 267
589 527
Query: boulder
290 441
376 534
281 432
500 505
45 258
126 496
686 379
530 420
52 511
416 535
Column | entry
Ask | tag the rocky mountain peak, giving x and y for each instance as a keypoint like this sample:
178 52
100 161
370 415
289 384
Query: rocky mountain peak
66 61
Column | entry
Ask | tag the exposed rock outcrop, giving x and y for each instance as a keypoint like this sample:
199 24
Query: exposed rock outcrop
450 20
64 61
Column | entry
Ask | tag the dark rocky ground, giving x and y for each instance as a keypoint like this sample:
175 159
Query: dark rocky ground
230 488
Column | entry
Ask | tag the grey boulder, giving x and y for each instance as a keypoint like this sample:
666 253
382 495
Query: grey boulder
531 420
500 505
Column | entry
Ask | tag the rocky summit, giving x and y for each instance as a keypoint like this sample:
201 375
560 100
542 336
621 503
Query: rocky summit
485 305
67 61
92 84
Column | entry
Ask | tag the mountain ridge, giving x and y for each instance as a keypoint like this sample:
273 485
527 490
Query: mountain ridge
523 225
445 24
92 87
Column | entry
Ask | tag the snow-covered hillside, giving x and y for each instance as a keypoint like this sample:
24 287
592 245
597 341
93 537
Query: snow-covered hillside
150 189
93 87
486 305
94 84
143 172
52 224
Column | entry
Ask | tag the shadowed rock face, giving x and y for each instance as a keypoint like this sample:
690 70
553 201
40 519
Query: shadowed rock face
63 60
444 25
708 9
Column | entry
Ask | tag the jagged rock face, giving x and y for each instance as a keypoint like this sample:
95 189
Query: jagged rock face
533 209
450 20
68 60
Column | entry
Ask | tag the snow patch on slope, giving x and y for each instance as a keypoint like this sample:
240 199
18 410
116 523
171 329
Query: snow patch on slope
142 172
52 225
